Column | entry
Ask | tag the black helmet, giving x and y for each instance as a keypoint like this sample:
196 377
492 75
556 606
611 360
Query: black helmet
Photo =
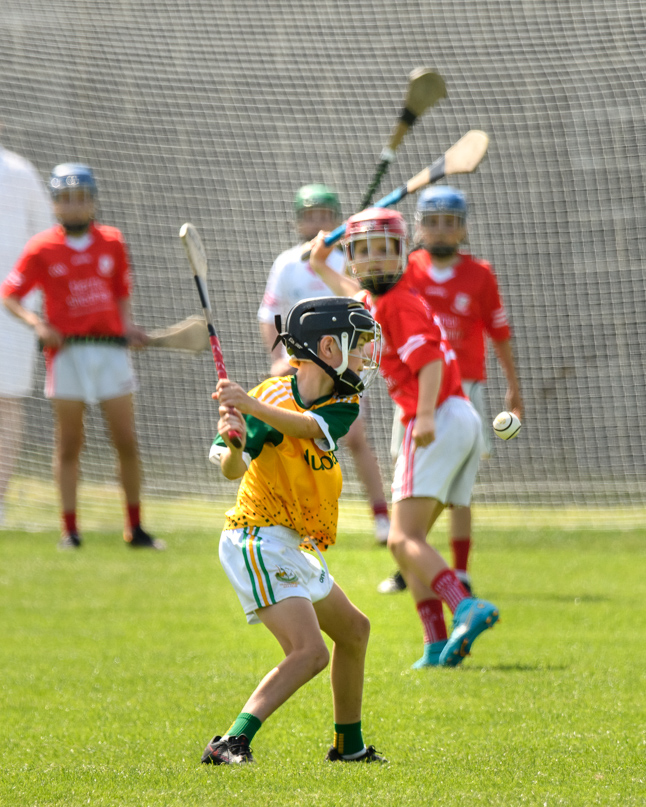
341 317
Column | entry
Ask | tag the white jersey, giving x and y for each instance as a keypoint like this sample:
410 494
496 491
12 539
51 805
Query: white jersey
292 280
25 210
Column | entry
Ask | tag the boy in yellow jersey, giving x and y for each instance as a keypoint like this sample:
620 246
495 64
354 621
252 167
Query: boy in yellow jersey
288 501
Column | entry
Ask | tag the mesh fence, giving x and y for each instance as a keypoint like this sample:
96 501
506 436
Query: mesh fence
215 112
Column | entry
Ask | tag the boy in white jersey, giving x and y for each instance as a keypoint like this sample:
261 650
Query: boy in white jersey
288 498
317 207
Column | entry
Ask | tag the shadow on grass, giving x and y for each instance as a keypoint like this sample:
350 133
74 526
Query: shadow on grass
520 668
552 597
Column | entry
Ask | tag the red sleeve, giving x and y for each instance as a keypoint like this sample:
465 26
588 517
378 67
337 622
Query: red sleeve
416 336
493 310
23 277
122 278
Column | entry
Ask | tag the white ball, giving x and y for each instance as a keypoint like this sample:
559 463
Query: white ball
506 425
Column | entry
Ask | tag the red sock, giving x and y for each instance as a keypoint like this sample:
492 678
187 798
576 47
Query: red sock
449 589
431 615
461 548
134 515
380 509
69 520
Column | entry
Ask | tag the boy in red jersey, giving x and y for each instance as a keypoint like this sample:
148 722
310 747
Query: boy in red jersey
463 293
439 458
83 272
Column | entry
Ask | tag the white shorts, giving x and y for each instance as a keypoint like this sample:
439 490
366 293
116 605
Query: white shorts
17 355
265 566
474 391
446 469
90 373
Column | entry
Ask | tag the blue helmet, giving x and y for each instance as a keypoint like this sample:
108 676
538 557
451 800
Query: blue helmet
71 175
441 199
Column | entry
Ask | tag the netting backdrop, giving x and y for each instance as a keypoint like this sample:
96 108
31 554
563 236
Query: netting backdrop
216 112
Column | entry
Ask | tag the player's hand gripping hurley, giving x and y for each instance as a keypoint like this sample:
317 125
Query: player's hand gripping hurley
462 158
198 262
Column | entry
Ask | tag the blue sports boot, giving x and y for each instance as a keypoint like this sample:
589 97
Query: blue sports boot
471 618
431 657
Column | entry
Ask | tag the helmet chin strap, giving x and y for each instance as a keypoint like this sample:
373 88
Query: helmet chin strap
346 382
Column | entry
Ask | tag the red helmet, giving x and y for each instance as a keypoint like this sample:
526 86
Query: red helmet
375 243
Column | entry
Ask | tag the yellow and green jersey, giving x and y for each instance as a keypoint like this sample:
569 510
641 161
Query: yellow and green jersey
292 482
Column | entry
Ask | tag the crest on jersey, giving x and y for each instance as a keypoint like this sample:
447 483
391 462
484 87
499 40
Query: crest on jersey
106 265
57 270
461 303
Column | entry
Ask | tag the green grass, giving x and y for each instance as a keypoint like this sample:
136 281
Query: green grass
116 667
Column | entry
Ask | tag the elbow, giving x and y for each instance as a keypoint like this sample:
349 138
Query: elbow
232 473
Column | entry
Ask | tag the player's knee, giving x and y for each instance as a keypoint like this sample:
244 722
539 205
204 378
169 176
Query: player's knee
126 446
359 631
396 540
69 449
317 658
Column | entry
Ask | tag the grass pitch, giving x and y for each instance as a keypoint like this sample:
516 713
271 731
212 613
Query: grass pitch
118 666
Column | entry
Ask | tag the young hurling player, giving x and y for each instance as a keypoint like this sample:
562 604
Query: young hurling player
83 272
463 293
316 208
288 501
25 209
438 460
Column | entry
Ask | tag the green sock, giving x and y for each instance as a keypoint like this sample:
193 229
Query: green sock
244 724
348 738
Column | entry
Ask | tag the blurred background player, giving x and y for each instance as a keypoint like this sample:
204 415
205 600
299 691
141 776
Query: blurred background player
317 208
438 460
288 497
463 292
25 209
83 271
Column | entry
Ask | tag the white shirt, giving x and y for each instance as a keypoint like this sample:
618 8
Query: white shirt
25 210
292 280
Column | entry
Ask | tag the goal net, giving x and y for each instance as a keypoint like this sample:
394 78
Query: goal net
215 112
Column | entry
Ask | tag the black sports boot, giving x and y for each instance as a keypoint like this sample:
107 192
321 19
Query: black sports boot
70 540
369 755
231 751
138 538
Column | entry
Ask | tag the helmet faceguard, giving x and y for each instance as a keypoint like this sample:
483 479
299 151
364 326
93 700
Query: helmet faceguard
344 319
440 200
375 244
69 176
74 177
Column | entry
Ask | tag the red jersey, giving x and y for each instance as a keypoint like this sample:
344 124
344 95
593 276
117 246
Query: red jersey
81 285
467 302
412 337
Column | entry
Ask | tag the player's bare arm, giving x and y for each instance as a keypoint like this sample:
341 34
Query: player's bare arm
513 399
291 424
135 335
47 335
343 285
430 380
231 461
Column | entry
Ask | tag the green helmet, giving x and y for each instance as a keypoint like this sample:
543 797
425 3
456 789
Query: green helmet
316 196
